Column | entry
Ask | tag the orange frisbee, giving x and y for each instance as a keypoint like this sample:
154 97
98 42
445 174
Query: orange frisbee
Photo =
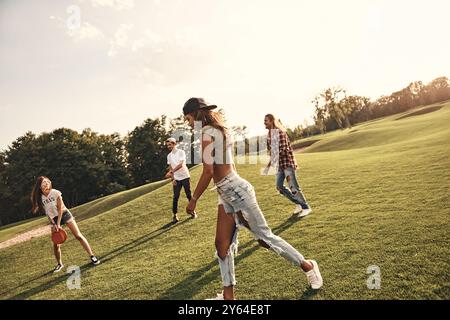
58 237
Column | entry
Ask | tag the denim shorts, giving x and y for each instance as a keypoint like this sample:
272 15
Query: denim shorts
66 217
234 193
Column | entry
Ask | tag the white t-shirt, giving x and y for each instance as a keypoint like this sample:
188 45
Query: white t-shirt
50 202
174 158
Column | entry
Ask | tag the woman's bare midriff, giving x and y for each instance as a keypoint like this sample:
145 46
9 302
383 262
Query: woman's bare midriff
221 171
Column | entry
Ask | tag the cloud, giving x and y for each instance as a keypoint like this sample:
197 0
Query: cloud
120 39
85 32
137 44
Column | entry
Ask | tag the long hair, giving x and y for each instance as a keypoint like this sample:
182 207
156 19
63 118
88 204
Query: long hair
211 118
36 196
276 122
215 120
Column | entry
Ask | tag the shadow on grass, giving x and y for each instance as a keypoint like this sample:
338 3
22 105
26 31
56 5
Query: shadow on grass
421 111
198 279
104 258
30 292
28 281
309 294
140 241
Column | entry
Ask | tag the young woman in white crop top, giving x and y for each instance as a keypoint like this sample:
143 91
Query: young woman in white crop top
237 205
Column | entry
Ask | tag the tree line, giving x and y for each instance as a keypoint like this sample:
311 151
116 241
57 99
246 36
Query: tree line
84 166
334 109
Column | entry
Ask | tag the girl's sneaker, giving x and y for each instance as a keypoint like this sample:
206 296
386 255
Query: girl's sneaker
58 268
95 260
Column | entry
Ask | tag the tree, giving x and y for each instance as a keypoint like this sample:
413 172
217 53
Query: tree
332 102
437 90
4 193
360 108
320 115
114 157
147 151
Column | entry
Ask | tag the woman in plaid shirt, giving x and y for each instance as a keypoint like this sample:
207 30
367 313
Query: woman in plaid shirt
282 158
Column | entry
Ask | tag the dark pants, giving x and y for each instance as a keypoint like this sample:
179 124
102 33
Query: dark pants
186 184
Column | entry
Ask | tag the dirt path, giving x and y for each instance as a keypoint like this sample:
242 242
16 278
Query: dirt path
38 232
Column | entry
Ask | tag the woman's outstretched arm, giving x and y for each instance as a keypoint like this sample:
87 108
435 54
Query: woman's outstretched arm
207 174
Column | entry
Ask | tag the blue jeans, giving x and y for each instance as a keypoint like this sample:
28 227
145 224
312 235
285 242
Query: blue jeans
238 195
295 194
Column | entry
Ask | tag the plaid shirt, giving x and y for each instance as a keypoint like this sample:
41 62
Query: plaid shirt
284 158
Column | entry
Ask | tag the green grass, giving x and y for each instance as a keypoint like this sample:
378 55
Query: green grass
84 211
380 197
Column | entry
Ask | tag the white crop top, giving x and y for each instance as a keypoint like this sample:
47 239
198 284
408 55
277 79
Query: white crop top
221 155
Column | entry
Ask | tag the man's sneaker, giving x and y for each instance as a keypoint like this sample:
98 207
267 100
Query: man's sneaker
95 260
219 297
175 218
298 209
314 277
304 213
58 268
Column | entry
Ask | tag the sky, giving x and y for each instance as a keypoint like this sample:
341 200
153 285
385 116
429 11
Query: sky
110 64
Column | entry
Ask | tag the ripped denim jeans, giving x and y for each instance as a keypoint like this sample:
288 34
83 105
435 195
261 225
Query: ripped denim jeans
238 195
294 193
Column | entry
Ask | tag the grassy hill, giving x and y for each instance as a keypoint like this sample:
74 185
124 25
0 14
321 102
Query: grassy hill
380 197
84 211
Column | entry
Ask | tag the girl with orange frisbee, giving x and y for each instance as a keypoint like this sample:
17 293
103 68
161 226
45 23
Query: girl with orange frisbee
49 201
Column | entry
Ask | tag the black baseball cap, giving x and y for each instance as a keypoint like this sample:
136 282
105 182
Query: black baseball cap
195 104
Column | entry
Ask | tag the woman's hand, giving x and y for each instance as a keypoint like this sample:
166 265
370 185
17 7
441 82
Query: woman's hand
174 182
169 175
55 228
190 209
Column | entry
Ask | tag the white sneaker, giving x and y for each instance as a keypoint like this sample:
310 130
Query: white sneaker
314 277
219 297
58 268
304 213
298 209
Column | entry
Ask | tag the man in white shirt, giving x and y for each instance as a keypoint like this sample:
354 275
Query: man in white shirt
179 174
